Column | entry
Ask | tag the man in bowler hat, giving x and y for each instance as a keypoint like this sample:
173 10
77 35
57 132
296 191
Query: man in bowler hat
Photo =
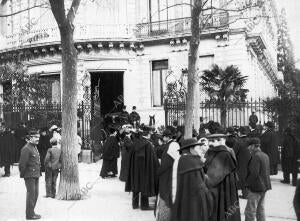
269 145
29 166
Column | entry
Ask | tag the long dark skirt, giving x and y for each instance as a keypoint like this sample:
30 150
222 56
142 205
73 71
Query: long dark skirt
109 168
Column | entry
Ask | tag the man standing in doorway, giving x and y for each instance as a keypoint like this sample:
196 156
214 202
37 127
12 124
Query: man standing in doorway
29 166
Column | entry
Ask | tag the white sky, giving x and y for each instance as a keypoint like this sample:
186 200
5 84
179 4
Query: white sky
293 18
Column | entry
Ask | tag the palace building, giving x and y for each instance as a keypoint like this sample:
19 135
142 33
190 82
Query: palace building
128 50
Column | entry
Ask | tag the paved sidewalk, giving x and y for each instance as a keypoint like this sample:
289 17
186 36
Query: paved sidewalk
107 200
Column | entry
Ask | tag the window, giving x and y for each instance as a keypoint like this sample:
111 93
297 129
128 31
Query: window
206 62
159 72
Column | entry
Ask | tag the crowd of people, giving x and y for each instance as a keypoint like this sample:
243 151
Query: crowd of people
198 178
195 178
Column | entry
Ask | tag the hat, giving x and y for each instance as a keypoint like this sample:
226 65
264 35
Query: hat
254 141
187 143
270 124
144 129
167 133
213 136
230 130
32 133
44 129
54 127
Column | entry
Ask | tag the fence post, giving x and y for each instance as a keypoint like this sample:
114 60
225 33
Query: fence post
82 130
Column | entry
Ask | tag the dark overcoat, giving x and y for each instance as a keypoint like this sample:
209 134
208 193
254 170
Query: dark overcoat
269 145
296 200
289 154
222 181
143 165
29 163
111 153
7 149
243 157
111 148
43 146
125 153
193 201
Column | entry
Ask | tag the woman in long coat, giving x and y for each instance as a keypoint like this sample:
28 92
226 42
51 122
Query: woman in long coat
111 153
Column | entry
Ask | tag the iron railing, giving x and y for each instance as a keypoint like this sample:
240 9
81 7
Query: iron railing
45 115
180 26
237 114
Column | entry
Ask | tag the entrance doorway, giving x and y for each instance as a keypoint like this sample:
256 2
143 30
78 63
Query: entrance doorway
106 92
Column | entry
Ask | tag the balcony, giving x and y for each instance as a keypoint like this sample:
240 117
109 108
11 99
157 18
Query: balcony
180 26
82 33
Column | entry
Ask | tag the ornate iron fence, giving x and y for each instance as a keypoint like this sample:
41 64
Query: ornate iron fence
237 114
44 115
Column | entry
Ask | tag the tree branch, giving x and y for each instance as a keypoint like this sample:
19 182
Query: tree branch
230 10
23 10
58 10
73 10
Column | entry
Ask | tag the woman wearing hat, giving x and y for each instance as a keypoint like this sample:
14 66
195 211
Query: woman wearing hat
111 153
193 200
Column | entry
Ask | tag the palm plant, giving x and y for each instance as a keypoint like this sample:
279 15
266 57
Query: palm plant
224 87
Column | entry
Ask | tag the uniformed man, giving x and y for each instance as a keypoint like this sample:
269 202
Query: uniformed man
29 166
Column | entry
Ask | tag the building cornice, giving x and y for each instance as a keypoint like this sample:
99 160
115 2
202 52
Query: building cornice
258 45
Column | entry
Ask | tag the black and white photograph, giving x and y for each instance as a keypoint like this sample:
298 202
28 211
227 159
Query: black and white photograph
150 110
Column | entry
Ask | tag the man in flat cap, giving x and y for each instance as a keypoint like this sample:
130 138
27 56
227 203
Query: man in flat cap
258 182
142 179
221 179
192 199
169 156
269 145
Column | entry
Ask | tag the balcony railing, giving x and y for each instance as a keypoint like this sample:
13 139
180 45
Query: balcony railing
180 26
84 32
91 32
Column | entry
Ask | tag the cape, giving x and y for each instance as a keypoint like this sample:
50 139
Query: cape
165 176
143 165
193 200
222 181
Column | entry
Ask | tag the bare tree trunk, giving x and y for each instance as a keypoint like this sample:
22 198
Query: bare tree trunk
193 101
69 180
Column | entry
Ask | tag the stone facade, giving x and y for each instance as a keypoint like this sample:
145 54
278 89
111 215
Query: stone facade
126 39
